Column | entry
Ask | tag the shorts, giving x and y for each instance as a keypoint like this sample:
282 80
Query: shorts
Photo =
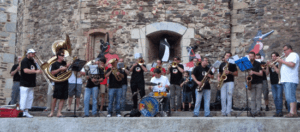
72 90
290 91
187 97
61 91
102 88
265 89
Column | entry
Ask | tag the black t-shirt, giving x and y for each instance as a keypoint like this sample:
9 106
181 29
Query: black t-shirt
199 73
187 87
137 75
124 80
273 75
176 75
264 77
90 84
56 65
28 80
17 75
256 67
113 83
231 68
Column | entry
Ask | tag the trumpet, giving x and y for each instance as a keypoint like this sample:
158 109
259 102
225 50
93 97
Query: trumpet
265 65
141 62
174 64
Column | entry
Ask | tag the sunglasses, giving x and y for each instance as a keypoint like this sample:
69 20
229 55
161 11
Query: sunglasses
61 55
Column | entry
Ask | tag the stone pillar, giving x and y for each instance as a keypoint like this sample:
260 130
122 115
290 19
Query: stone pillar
8 18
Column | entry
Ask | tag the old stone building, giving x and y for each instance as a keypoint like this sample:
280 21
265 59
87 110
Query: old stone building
136 26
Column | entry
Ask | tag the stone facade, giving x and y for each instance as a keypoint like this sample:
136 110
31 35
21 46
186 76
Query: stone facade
8 30
214 26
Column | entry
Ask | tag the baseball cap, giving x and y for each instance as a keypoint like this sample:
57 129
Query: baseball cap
30 51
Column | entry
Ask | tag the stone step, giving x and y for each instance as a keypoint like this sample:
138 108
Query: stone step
173 114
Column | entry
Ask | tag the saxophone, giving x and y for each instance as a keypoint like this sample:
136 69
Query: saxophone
205 79
223 76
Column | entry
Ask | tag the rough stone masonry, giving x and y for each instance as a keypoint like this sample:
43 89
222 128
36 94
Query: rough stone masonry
214 26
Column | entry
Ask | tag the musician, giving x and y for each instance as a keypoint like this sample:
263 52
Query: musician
197 75
137 80
196 62
60 88
176 75
103 84
92 88
28 82
159 65
256 85
277 88
125 71
265 87
187 85
163 85
75 92
15 94
115 87
228 85
290 78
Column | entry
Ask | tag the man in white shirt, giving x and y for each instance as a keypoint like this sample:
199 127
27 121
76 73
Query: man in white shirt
163 85
289 78
72 91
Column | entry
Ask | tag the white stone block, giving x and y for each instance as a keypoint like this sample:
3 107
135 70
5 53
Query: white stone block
8 83
137 33
190 33
12 9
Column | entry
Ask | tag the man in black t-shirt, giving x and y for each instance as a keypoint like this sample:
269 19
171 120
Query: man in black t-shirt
256 85
198 74
277 89
15 93
137 80
60 88
92 88
125 71
28 82
115 87
228 84
175 77
265 87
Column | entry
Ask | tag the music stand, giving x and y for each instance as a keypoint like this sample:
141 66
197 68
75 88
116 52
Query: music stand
244 64
76 67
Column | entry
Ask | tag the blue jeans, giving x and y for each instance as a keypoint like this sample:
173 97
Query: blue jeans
206 93
226 96
123 98
114 95
15 93
277 91
87 95
290 92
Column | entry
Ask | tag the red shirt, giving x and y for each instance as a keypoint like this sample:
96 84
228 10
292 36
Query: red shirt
104 82
153 68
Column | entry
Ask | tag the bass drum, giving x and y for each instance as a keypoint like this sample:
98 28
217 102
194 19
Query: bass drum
148 106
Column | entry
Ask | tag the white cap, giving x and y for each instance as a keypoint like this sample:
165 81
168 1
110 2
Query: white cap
30 51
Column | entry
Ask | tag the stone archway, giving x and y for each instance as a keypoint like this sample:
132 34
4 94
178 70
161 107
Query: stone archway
157 30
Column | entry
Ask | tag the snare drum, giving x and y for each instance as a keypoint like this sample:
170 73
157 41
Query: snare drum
160 94
148 106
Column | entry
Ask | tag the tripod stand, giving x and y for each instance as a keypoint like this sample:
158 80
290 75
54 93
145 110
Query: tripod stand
76 67
244 64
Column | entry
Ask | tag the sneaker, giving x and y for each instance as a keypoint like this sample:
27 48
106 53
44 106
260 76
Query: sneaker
209 115
119 115
195 116
27 114
86 115
280 114
229 115
108 115
267 108
276 115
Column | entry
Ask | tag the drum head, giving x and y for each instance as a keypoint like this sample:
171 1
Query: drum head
148 106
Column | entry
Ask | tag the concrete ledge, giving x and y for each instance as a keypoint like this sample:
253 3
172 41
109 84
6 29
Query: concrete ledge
244 124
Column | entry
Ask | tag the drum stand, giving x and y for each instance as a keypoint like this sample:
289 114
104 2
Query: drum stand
247 107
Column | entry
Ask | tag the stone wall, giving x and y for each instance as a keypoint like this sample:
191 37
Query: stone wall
215 26
8 22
